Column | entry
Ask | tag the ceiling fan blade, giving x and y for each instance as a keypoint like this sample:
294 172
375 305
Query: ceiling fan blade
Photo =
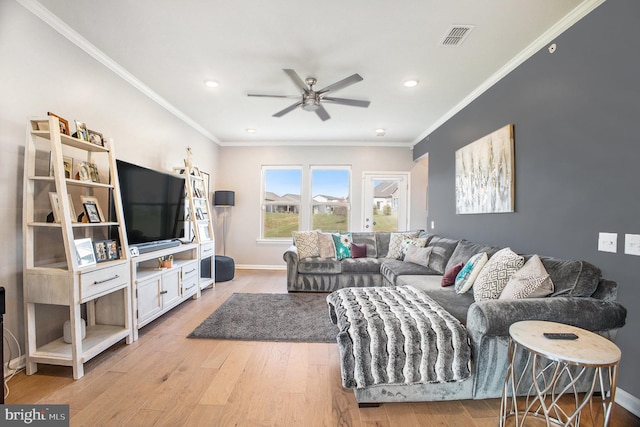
344 101
273 96
355 78
288 109
322 113
297 80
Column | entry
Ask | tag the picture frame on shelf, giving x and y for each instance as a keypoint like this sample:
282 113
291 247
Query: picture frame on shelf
81 131
92 209
84 252
95 137
204 232
100 250
112 250
88 171
72 209
55 205
64 124
67 164
93 172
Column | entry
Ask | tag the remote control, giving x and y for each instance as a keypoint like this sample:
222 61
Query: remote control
560 336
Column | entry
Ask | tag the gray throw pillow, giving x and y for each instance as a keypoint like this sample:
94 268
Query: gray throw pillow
418 255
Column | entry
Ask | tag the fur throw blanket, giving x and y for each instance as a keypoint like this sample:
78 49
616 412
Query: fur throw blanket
397 335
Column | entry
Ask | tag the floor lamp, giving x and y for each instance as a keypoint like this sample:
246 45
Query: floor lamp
224 199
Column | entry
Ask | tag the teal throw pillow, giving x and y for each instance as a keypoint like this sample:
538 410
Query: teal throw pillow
466 276
343 245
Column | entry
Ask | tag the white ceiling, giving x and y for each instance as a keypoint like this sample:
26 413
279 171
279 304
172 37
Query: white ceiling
168 48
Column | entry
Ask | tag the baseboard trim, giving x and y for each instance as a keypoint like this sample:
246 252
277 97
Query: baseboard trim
628 401
260 267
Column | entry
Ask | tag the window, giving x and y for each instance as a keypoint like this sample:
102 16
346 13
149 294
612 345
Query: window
281 189
330 201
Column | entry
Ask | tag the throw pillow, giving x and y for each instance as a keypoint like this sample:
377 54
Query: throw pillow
343 245
417 242
418 255
466 276
307 243
358 250
531 281
395 244
326 245
450 275
496 273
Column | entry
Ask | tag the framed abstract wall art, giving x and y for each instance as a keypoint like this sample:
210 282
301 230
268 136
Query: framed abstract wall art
485 174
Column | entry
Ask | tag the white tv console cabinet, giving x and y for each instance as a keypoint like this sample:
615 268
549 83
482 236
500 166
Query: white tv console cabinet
157 290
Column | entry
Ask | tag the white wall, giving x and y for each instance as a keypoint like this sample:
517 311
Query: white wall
240 171
41 71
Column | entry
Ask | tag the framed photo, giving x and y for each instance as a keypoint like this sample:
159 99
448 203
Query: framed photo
55 205
92 209
204 232
64 124
105 250
93 172
81 131
88 172
95 137
112 250
67 163
84 252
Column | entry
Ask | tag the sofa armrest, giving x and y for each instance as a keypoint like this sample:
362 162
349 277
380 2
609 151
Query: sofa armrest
290 256
494 317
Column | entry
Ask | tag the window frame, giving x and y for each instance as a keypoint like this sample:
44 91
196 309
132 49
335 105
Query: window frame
264 203
332 204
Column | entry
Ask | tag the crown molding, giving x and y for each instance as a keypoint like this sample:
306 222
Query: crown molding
408 145
548 36
61 27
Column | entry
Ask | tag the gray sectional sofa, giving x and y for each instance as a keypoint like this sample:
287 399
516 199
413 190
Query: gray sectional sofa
582 297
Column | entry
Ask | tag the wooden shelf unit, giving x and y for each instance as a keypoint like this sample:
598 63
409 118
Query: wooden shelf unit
53 274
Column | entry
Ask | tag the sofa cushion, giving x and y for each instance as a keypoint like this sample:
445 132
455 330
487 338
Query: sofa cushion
466 276
392 268
418 255
319 266
382 243
395 244
416 241
361 265
531 281
466 249
326 246
368 239
343 245
307 243
441 252
496 273
572 278
358 250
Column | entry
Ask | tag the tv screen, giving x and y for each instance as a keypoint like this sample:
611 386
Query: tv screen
153 203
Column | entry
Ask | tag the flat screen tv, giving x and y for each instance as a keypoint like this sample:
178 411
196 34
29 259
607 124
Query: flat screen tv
153 204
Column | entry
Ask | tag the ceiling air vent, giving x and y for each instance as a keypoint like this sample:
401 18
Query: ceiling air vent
456 35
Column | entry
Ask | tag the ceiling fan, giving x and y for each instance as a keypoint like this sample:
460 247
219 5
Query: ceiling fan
312 99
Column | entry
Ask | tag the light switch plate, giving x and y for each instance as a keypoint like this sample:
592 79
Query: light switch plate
632 244
608 242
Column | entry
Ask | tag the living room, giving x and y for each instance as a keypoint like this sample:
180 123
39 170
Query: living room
573 112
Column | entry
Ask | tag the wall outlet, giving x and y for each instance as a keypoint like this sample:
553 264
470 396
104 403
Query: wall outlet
632 244
608 242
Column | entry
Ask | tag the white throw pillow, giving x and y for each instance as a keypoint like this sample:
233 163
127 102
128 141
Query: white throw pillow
495 274
466 276
531 281
307 243
326 246
395 244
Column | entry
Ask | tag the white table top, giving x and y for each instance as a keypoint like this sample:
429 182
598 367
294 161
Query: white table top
589 349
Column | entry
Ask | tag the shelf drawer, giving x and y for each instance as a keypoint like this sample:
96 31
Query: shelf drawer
207 249
100 281
189 286
189 271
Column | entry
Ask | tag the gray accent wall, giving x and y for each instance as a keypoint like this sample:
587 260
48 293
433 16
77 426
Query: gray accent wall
577 149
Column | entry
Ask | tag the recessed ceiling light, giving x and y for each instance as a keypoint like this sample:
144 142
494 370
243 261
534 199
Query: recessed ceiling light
211 83
411 83
380 132
251 130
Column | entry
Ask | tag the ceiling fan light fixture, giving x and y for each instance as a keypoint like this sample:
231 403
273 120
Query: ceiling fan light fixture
251 130
411 83
211 83
311 104
380 132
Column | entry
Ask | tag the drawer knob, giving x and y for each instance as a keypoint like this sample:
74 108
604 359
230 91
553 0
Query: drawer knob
98 282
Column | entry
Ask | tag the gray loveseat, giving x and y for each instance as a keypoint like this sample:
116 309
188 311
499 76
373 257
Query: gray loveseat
582 297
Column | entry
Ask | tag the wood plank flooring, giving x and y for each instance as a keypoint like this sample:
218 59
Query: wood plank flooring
165 379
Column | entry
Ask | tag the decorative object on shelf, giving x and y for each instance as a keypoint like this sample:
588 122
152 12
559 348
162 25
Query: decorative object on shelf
68 166
105 250
81 131
64 124
204 232
84 252
55 205
165 262
95 137
485 174
92 209
66 330
224 199
84 172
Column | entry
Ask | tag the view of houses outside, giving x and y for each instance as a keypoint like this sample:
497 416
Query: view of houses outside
385 205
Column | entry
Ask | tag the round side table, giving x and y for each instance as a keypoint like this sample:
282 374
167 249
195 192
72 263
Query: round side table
556 368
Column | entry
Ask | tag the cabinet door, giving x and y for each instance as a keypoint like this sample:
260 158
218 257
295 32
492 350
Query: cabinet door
149 298
171 293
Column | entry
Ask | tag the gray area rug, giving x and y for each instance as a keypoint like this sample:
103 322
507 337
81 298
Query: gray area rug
270 317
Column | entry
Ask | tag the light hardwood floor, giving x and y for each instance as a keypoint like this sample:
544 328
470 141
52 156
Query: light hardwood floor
165 379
